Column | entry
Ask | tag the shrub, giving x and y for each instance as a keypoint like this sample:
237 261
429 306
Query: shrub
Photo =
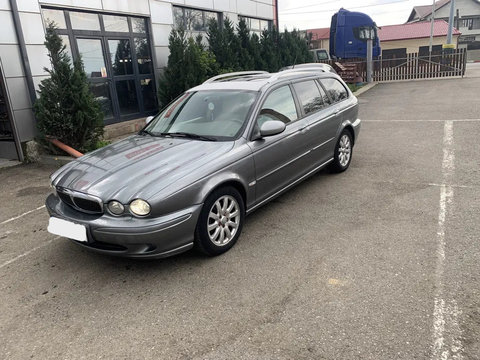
66 109
189 64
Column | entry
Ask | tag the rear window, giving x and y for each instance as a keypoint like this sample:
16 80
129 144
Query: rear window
309 95
335 89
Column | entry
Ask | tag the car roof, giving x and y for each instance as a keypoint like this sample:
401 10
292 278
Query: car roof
256 80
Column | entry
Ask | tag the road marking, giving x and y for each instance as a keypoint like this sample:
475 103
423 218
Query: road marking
446 330
21 215
419 120
6 263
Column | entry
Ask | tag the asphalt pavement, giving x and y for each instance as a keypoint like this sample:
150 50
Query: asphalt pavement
380 262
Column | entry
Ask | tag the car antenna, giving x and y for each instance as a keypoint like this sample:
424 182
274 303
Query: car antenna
294 61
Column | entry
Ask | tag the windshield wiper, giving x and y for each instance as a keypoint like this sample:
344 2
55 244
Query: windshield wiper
190 136
145 131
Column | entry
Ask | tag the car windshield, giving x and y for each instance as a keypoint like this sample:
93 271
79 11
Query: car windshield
204 115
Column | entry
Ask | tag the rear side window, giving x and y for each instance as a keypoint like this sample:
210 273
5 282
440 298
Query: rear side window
335 89
279 105
310 96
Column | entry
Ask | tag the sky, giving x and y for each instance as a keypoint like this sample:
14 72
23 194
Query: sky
313 14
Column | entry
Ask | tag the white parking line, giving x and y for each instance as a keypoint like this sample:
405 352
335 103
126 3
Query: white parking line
6 263
21 215
446 330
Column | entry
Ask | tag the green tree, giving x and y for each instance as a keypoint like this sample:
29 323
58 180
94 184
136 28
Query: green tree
66 109
256 53
245 52
189 64
224 44
270 51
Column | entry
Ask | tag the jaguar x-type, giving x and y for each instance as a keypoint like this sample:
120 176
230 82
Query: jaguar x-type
215 154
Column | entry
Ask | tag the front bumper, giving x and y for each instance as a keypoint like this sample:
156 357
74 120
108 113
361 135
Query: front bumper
129 236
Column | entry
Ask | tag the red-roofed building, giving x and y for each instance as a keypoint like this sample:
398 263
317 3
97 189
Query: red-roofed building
320 38
414 36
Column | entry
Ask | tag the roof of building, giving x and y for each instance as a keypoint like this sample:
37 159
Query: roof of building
416 30
320 34
425 10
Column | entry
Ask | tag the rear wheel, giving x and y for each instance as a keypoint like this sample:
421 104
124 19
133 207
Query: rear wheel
220 222
343 152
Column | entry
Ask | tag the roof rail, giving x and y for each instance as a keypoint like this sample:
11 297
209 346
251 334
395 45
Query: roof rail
283 73
234 74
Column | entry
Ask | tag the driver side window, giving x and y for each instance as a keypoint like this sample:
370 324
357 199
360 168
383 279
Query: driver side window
279 105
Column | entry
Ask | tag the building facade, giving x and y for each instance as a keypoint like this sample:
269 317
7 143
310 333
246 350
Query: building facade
123 45
467 19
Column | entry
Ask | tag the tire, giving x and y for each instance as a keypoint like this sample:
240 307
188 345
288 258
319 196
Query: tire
343 152
219 228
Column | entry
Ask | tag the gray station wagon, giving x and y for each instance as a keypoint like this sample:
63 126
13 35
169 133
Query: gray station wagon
215 154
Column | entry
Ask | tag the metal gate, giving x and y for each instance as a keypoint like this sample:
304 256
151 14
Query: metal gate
413 66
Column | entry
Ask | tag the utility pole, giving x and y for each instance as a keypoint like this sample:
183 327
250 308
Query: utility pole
369 59
450 21
432 21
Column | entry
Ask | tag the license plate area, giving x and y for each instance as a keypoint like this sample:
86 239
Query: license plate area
67 229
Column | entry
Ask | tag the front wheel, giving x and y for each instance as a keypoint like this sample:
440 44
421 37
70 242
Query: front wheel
343 152
220 222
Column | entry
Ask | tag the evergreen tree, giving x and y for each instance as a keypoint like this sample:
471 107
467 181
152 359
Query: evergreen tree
189 64
256 53
245 51
66 109
224 44
270 51
231 46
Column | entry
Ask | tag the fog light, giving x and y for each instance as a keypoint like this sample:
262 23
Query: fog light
139 207
115 207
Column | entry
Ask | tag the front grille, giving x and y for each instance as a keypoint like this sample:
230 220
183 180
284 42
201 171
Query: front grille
65 198
87 205
80 201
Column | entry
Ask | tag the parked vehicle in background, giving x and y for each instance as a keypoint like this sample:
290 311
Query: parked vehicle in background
349 32
320 55
215 154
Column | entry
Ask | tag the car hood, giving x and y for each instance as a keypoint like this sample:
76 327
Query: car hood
139 166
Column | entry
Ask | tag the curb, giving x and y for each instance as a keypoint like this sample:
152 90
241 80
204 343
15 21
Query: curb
365 88
55 160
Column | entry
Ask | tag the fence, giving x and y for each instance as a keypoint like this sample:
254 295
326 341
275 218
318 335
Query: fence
413 66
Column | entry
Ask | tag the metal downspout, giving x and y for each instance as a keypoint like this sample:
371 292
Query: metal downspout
26 71
23 50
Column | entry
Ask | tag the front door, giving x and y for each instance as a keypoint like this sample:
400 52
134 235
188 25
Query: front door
279 159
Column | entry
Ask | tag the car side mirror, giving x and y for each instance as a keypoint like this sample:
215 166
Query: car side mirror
148 119
272 127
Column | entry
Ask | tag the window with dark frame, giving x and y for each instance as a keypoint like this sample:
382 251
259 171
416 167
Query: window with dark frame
193 19
117 58
256 25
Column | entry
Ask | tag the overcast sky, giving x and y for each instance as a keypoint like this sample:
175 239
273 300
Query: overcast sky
312 14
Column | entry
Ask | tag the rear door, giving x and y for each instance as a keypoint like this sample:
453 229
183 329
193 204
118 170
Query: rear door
322 120
281 158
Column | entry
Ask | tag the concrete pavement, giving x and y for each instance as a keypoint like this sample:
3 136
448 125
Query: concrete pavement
380 262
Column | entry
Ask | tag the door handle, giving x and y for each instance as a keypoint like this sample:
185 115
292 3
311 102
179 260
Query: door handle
304 129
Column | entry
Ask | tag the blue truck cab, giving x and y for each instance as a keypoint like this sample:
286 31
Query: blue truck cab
349 33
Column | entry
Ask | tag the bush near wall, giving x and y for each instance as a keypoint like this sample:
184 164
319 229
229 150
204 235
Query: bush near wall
66 109
190 62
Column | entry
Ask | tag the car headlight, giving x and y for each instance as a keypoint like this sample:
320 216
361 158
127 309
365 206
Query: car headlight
115 207
140 207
